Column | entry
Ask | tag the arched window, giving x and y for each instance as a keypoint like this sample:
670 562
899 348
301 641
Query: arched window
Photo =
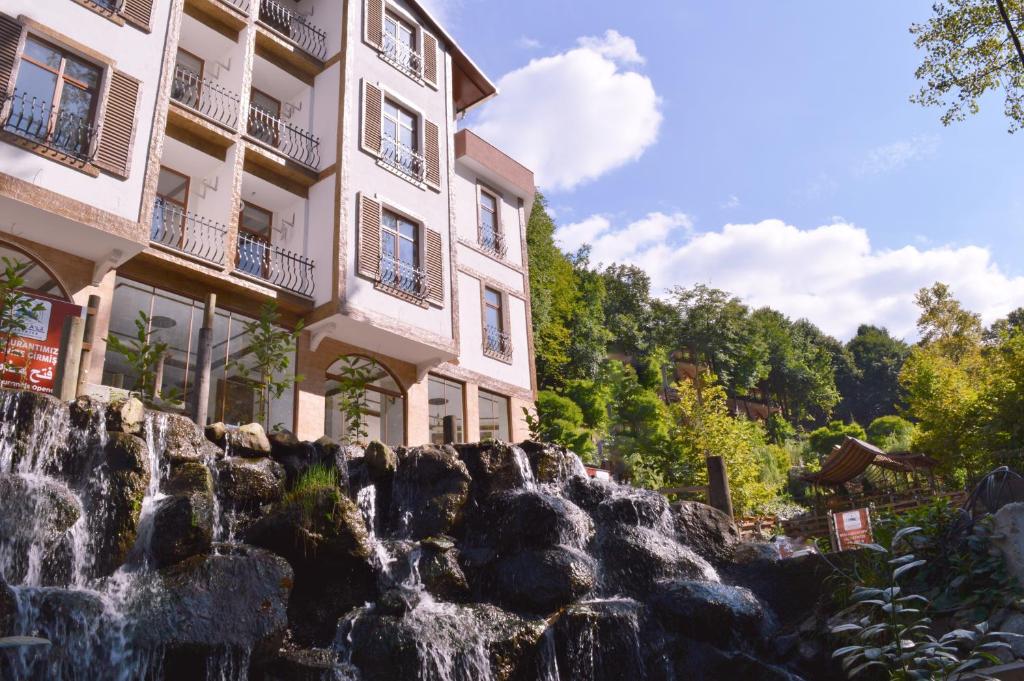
383 410
38 277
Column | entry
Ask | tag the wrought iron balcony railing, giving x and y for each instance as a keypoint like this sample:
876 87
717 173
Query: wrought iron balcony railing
205 97
241 5
276 265
112 6
36 120
405 160
403 57
293 142
307 37
493 241
402 276
497 343
188 233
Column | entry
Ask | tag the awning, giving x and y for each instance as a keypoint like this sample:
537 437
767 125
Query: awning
851 459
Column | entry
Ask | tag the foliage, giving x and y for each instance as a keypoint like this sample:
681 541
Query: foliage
17 309
891 631
144 356
824 439
315 480
354 375
871 389
264 368
560 421
969 49
891 433
945 325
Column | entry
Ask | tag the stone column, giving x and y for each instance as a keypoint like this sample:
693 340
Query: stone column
718 485
204 363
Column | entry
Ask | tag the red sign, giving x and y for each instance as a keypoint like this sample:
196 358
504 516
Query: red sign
30 360
851 528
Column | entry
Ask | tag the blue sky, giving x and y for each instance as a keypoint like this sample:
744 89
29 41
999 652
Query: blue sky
789 121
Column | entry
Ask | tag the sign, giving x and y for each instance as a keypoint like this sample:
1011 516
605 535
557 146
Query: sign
850 528
30 359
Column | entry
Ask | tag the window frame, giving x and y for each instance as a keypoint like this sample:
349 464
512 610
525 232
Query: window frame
267 241
481 393
401 17
464 404
496 251
419 244
188 186
504 319
275 116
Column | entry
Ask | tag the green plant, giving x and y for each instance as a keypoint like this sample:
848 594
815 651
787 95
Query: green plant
271 349
311 487
892 633
354 375
17 309
144 356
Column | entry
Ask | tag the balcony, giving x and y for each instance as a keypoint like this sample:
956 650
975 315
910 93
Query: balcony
492 241
497 343
294 28
241 5
274 265
187 233
402 57
41 125
205 98
292 141
401 277
402 159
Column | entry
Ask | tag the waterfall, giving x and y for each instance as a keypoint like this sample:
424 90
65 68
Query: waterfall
522 463
366 500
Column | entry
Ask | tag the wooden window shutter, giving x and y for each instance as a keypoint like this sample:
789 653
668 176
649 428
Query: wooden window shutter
373 104
10 38
118 127
430 59
432 153
138 12
368 237
373 26
435 267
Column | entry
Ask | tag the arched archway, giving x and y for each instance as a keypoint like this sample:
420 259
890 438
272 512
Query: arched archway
384 399
38 277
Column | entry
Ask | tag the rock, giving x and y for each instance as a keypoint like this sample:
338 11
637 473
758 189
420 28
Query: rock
247 484
543 580
495 467
602 640
1013 624
183 523
381 461
633 506
553 463
186 442
126 416
635 558
431 486
519 519
708 611
793 587
755 552
297 456
35 514
36 422
705 529
248 441
439 569
8 609
216 433
707 663
302 664
1009 525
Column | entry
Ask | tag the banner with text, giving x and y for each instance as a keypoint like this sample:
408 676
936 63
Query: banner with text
30 359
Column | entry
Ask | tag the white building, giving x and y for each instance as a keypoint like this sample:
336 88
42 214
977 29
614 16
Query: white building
305 152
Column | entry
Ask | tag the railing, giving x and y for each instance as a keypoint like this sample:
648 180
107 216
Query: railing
293 142
295 27
188 233
113 6
205 97
402 276
497 343
493 241
404 58
404 159
241 5
38 121
278 266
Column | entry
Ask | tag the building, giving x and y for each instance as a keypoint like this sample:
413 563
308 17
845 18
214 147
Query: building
300 151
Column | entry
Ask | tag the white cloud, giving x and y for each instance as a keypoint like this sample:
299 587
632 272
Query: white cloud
527 43
830 274
574 116
889 157
732 202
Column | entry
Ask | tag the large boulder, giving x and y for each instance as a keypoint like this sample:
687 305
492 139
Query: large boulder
35 430
709 611
634 558
553 463
431 486
8 609
302 664
633 506
126 416
247 484
183 521
381 461
440 571
186 442
35 515
530 518
601 640
543 580
297 456
705 529
1009 527
249 440
495 467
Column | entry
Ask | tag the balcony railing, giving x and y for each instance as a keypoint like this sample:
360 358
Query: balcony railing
273 264
295 27
188 233
497 343
402 56
241 5
402 276
293 142
205 97
112 6
36 120
405 160
493 241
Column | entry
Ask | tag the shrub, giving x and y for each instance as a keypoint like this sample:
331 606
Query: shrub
825 438
891 433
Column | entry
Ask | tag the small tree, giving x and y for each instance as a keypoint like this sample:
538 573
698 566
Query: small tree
17 309
143 356
271 348
353 377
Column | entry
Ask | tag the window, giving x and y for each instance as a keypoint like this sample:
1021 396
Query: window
400 254
445 403
188 79
54 100
400 45
494 417
400 140
496 339
490 236
264 118
168 226
383 417
255 226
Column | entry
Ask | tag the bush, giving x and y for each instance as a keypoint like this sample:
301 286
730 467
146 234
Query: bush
825 438
560 421
891 433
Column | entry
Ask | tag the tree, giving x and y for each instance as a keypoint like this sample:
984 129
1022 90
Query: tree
872 389
823 440
354 375
588 335
560 421
264 368
946 325
17 309
627 309
144 356
971 47
891 433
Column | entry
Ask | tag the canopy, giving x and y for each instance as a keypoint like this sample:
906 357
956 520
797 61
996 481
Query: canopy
852 458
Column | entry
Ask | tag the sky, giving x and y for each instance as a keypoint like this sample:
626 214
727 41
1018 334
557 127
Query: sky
766 148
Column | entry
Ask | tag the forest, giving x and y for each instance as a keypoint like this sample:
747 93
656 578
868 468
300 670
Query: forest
607 346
